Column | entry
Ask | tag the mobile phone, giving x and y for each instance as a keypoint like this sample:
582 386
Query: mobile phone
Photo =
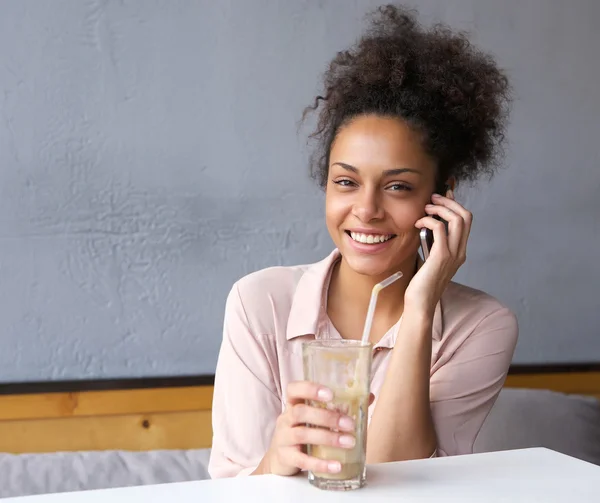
426 242
426 235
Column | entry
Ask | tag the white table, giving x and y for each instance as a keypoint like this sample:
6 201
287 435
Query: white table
528 475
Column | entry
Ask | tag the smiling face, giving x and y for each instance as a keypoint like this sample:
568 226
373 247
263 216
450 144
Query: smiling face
380 179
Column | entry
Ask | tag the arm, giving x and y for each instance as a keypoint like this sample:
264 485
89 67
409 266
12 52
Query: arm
402 426
251 434
462 391
465 388
245 404
456 400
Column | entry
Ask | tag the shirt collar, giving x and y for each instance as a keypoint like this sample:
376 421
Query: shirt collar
308 305
307 314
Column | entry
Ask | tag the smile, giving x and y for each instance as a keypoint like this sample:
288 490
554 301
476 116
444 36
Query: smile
370 238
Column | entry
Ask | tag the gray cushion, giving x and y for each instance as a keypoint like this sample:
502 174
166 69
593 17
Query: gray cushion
524 418
27 474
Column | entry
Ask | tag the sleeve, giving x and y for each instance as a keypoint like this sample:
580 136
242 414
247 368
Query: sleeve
245 403
464 389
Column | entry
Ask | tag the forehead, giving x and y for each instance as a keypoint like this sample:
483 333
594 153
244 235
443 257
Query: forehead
380 142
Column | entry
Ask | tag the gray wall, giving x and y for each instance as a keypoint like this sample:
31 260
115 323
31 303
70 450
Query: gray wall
149 158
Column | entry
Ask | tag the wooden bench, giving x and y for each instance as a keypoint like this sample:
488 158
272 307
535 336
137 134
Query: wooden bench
175 413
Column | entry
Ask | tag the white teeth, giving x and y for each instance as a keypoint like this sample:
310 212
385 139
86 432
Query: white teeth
370 238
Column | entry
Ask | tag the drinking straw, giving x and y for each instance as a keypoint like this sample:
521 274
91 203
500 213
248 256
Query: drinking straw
373 302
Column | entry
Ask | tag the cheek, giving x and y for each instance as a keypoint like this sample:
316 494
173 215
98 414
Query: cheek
336 209
405 218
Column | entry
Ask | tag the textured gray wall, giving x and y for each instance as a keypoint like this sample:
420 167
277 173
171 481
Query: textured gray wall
149 157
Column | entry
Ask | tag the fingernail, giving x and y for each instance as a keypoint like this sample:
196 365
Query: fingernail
325 394
346 423
436 196
334 466
347 441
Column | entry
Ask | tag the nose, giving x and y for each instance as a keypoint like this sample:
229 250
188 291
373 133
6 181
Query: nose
367 206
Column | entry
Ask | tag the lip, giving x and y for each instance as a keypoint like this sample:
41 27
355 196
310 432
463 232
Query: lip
363 230
364 248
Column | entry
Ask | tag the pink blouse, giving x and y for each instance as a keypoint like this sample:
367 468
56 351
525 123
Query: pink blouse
270 313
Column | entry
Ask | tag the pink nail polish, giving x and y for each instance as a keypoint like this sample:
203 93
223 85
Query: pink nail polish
346 423
334 467
325 394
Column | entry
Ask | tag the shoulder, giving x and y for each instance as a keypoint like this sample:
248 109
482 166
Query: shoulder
473 311
265 297
278 280
278 301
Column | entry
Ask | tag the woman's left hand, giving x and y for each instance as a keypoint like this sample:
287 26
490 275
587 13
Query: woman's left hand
448 253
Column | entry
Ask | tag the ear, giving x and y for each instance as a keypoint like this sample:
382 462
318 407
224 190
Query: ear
451 182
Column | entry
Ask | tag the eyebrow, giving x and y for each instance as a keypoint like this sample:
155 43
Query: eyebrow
387 172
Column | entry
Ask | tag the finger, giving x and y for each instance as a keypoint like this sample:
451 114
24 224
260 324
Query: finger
300 391
451 203
456 225
306 462
301 435
458 208
305 414
440 239
455 206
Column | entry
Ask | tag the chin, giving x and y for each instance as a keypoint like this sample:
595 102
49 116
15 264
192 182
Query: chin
370 266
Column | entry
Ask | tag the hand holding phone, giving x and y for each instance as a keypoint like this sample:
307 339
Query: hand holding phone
444 257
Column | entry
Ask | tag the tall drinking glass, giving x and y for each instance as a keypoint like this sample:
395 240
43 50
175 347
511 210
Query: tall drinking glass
344 366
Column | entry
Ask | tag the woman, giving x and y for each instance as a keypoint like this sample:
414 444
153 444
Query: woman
407 113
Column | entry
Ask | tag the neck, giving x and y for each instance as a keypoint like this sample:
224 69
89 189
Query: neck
353 290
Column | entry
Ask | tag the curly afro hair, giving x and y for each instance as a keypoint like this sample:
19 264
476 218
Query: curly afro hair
434 79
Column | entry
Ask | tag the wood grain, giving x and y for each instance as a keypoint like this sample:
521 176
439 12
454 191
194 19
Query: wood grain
578 383
134 432
139 419
105 403
161 418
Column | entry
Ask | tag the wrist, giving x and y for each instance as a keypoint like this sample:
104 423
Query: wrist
419 312
415 331
264 466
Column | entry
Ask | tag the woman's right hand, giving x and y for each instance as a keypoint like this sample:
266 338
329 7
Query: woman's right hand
286 455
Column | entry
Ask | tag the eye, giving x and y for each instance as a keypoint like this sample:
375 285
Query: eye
344 182
395 187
